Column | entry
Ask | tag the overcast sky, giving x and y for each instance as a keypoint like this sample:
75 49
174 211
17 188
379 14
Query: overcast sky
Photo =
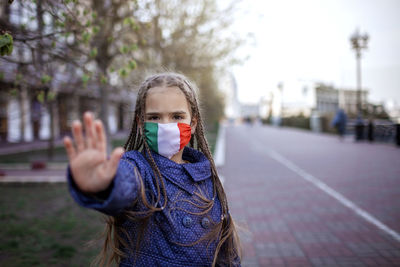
309 40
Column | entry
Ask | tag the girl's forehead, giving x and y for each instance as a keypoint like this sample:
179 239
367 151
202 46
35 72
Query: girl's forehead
165 90
165 98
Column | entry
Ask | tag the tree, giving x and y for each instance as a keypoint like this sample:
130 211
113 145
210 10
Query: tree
192 37
88 35
92 44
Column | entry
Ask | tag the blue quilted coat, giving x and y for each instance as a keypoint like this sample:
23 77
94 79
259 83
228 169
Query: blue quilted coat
170 231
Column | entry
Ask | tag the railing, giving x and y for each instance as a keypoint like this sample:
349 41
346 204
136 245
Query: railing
379 130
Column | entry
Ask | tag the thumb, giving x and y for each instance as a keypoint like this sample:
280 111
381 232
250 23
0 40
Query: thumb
114 159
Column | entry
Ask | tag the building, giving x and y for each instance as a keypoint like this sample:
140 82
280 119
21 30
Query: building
348 100
298 97
24 118
312 99
25 115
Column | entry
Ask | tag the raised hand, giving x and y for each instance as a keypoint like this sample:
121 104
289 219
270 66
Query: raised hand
91 170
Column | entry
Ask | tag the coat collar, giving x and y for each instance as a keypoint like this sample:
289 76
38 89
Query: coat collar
198 168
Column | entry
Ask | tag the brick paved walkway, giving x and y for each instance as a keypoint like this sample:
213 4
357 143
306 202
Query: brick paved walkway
289 221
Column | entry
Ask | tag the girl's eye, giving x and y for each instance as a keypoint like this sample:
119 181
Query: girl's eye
178 117
152 118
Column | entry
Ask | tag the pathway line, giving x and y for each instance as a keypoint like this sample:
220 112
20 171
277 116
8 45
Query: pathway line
328 190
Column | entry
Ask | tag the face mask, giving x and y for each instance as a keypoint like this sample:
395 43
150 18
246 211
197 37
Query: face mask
167 139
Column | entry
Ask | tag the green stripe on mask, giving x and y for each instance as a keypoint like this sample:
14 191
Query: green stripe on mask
151 134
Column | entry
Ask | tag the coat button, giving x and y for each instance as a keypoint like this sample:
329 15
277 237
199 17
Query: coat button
187 221
205 222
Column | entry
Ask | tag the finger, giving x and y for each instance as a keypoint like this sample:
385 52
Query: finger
89 130
78 135
71 152
112 164
101 137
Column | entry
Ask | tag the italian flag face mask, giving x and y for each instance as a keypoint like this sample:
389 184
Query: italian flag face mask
167 139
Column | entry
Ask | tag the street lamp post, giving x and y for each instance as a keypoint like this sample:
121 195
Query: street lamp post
359 42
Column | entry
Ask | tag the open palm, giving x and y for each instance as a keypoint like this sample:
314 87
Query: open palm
92 171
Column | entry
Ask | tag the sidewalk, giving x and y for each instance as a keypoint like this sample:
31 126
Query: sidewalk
11 148
33 176
304 199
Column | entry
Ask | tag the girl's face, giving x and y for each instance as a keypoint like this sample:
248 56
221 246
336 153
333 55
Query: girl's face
166 105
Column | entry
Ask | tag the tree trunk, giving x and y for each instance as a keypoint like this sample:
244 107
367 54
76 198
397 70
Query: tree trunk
48 104
103 61
104 113
22 98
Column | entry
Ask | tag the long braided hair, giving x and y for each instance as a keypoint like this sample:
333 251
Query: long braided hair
224 232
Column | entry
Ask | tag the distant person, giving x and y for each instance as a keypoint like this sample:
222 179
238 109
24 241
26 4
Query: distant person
370 132
339 122
359 128
165 201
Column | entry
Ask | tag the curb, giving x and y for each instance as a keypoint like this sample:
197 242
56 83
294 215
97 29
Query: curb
219 158
33 179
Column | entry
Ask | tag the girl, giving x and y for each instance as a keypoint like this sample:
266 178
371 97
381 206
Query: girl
165 202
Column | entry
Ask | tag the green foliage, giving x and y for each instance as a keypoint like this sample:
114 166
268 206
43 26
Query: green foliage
86 37
43 97
18 78
6 44
85 79
110 39
299 121
131 22
124 49
103 79
93 52
134 47
95 29
132 64
40 97
45 79
51 96
14 92
60 24
123 72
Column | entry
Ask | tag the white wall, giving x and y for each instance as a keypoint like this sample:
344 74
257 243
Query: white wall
44 132
113 118
14 121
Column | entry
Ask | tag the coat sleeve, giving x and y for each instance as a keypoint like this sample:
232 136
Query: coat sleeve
122 191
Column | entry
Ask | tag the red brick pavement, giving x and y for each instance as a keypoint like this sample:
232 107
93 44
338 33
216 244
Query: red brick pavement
288 221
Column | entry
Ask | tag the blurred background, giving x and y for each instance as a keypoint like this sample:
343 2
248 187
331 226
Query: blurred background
289 90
